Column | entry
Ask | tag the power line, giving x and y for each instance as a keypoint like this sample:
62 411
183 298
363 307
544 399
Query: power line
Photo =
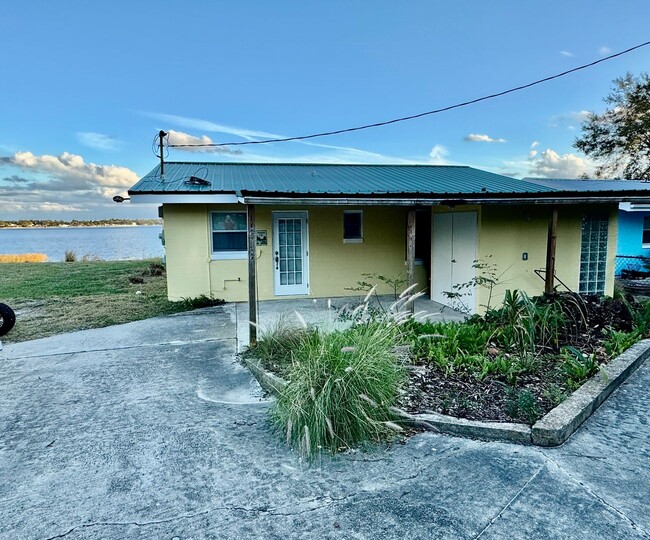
420 115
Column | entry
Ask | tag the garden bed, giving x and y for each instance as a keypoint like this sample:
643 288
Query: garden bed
493 375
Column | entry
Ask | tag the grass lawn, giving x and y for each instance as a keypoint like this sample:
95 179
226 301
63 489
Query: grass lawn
51 298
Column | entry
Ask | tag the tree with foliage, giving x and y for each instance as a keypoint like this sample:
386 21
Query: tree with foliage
619 138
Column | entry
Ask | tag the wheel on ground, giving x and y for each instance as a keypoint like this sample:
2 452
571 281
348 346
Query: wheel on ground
7 319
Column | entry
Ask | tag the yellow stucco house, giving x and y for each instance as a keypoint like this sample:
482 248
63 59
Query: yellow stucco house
268 231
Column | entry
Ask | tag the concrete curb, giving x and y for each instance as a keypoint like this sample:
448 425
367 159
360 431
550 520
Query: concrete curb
558 425
551 430
268 381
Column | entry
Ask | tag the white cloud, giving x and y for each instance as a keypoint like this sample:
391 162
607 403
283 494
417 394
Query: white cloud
211 127
567 53
438 155
534 144
72 166
63 183
481 137
98 141
340 154
569 118
532 154
604 51
178 137
550 164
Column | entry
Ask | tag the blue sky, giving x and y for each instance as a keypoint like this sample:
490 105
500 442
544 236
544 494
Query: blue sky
87 85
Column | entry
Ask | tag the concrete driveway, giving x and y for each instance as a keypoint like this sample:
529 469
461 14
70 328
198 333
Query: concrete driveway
153 430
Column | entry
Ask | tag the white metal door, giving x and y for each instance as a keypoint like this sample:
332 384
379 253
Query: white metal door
453 253
290 253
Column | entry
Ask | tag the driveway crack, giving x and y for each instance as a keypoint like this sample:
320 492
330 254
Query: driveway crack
602 501
507 505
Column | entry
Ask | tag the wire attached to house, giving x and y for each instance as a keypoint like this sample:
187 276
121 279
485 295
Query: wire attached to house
419 115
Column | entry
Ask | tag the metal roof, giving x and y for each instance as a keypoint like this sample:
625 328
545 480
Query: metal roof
329 179
590 185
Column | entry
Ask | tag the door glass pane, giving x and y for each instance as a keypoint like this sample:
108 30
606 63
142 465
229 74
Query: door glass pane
290 251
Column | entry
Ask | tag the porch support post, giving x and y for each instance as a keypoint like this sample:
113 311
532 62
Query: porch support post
550 252
410 250
252 277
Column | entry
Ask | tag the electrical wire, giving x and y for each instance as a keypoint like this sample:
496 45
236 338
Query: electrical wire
419 115
155 146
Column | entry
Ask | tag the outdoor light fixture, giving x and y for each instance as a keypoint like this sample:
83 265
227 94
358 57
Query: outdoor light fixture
120 199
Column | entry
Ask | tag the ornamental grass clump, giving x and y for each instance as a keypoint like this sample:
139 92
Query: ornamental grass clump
342 386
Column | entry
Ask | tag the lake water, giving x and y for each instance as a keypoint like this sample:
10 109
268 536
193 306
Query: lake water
108 243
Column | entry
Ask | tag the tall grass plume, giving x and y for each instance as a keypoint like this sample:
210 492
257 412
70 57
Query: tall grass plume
341 387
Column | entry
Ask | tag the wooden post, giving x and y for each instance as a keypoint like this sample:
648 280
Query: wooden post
252 277
410 250
549 285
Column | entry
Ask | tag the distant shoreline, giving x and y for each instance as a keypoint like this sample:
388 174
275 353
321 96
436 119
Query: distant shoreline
79 227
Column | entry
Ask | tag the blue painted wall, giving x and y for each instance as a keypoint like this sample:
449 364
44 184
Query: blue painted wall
630 231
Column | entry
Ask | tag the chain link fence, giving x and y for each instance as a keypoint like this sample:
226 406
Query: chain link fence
632 266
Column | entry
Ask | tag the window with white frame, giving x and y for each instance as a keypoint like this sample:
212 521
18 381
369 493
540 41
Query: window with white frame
353 226
228 235
646 232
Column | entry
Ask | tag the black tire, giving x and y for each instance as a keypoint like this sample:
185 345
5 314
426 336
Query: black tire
7 319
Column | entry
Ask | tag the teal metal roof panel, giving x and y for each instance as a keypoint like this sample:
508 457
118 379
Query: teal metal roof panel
315 179
590 185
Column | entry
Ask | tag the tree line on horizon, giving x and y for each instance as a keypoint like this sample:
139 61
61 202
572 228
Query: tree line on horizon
7 224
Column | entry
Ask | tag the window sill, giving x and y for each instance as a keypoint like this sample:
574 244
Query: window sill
228 255
353 240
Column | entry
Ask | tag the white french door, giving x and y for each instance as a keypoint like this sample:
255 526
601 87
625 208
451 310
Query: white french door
452 256
290 253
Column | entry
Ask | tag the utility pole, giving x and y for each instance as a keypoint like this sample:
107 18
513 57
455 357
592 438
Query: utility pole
161 137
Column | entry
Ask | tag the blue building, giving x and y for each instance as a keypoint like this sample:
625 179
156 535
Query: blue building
633 244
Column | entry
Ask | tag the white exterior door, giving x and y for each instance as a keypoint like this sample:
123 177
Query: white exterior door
453 253
290 253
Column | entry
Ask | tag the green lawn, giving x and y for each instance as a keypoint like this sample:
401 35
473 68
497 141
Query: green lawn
50 298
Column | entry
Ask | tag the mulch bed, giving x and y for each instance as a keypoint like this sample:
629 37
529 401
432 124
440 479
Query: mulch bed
460 394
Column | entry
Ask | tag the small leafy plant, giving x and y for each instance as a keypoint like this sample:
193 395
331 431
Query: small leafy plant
577 366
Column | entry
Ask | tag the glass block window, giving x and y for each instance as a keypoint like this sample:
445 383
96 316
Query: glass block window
353 226
646 232
229 233
593 253
290 252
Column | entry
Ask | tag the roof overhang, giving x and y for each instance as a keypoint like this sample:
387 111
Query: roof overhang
443 199
627 200
184 198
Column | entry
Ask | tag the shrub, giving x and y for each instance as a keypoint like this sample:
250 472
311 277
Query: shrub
202 301
342 385
70 256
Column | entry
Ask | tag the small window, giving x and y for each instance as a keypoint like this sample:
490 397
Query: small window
229 235
353 226
646 232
